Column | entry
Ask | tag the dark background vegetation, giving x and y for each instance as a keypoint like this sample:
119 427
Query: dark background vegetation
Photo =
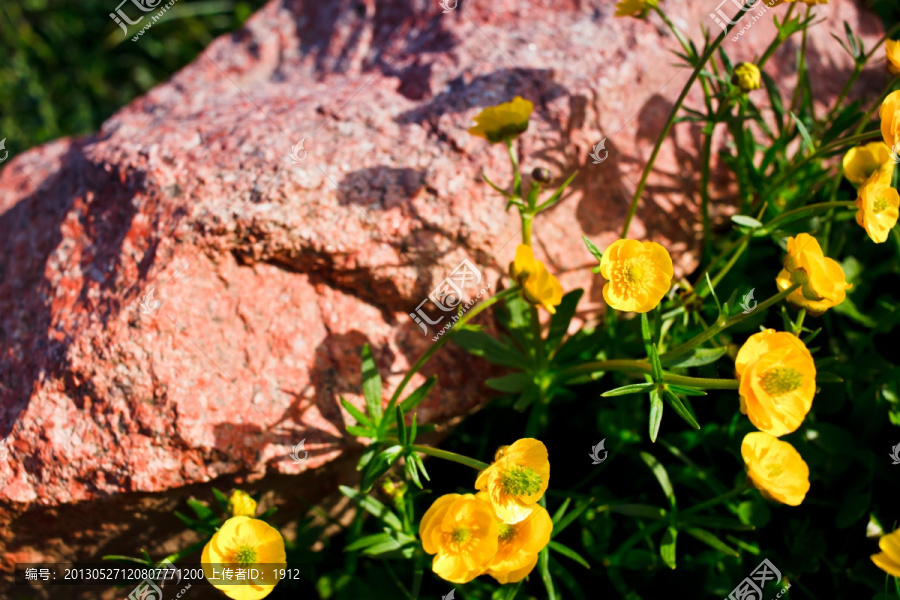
65 68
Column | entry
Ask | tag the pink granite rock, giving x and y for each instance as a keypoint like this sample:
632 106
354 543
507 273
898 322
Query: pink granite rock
180 301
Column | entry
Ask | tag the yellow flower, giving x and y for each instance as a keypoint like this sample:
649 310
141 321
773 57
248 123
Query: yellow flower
892 50
823 283
516 480
878 204
635 8
746 76
888 560
890 119
639 275
460 530
241 504
777 378
519 545
539 287
504 121
244 543
775 468
861 162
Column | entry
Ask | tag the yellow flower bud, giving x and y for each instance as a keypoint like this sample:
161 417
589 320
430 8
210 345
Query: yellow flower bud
822 280
775 468
241 504
635 8
888 560
890 119
504 121
878 204
639 275
892 50
746 76
539 287
861 162
777 378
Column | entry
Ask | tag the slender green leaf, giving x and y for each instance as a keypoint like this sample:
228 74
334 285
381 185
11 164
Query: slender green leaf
373 507
357 414
746 221
592 248
685 390
418 395
683 411
566 520
696 358
559 322
711 540
633 388
371 386
513 383
568 553
804 133
662 476
656 411
380 465
667 546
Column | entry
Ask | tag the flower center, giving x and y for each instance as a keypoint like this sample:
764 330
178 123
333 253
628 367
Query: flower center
507 532
881 205
781 380
775 471
461 535
632 275
520 481
245 555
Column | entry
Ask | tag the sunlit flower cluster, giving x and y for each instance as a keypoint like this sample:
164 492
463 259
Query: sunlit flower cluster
500 530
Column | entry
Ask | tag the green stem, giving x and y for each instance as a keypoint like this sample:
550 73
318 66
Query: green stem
779 39
517 177
721 324
642 368
632 209
813 208
527 217
452 456
434 347
798 326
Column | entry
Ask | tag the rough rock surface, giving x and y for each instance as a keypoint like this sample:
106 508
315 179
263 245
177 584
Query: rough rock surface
267 276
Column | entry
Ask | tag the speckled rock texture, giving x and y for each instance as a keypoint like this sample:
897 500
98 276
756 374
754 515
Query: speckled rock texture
181 302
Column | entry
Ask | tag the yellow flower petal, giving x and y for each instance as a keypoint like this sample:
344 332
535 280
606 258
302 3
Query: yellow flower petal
462 533
862 162
245 543
539 287
777 378
775 468
504 121
892 52
878 204
823 283
639 275
516 480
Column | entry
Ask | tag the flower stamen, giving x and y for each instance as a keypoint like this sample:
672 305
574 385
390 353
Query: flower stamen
520 481
781 380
